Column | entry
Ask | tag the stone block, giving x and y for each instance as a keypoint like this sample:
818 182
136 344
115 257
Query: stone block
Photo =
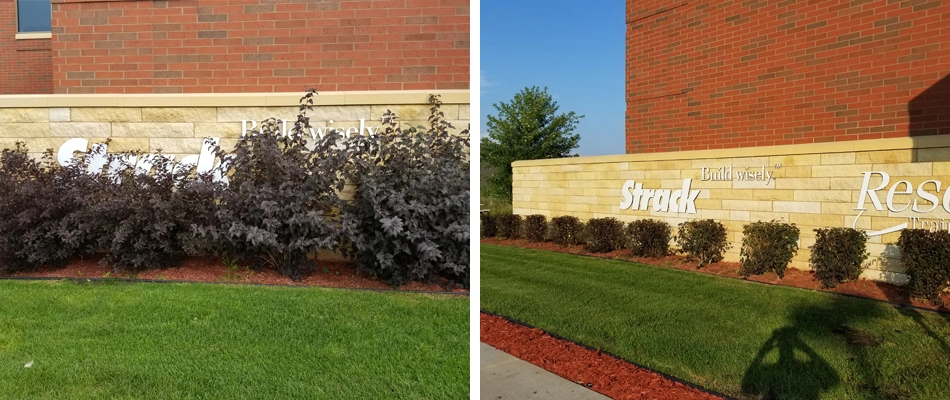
823 195
747 205
24 129
793 172
110 114
906 169
80 129
59 114
258 114
118 145
817 221
931 154
217 129
176 114
767 216
805 183
465 112
795 160
24 115
810 207
154 129
751 162
837 158
774 194
731 194
407 112
662 174
737 215
638 175
886 156
175 145
822 171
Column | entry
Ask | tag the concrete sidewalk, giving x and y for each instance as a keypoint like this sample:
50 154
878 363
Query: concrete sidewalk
506 377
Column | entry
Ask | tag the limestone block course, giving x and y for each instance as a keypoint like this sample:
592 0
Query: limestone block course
154 129
403 112
906 169
80 129
823 195
795 160
937 154
23 115
763 194
180 114
217 129
258 114
25 130
175 145
837 158
888 156
747 205
101 114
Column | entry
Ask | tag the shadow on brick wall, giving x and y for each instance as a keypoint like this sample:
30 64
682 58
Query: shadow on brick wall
929 112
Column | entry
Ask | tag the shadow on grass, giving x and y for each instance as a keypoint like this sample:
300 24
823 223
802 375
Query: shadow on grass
787 365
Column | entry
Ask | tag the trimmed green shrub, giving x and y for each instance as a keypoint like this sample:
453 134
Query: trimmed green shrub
926 257
535 227
838 254
567 230
604 235
703 239
649 238
767 246
488 225
508 226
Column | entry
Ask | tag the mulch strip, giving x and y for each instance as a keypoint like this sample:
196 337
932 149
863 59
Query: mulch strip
330 273
601 372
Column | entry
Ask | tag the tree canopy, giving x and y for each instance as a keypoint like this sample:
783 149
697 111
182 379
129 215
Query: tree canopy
527 128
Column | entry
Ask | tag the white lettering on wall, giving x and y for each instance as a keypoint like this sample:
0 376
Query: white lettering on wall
637 198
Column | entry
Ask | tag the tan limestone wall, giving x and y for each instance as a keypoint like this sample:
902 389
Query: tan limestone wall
813 186
178 123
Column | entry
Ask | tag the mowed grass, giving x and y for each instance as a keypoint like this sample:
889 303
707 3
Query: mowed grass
740 338
178 341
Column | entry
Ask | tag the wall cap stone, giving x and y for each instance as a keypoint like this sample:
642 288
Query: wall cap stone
393 97
920 142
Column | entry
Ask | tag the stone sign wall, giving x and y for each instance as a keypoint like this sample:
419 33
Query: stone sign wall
880 186
177 124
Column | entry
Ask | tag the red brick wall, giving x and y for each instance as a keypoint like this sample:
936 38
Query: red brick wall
25 66
722 74
175 46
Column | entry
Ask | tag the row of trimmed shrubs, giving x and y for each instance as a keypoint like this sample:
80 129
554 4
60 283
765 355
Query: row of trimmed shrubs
836 257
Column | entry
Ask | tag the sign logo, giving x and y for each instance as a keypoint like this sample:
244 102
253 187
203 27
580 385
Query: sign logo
902 188
637 198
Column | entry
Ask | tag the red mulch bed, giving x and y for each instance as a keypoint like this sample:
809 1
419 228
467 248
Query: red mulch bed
339 274
603 373
793 277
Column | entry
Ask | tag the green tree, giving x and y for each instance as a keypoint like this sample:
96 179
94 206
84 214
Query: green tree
527 128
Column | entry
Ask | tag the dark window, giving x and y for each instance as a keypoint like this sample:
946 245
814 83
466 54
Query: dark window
33 15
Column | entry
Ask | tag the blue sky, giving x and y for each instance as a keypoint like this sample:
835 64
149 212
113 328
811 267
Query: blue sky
574 48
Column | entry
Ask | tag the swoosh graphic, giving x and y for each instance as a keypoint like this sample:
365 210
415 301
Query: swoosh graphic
884 231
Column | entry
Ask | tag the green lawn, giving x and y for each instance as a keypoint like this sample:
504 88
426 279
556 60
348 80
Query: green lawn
739 338
175 341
